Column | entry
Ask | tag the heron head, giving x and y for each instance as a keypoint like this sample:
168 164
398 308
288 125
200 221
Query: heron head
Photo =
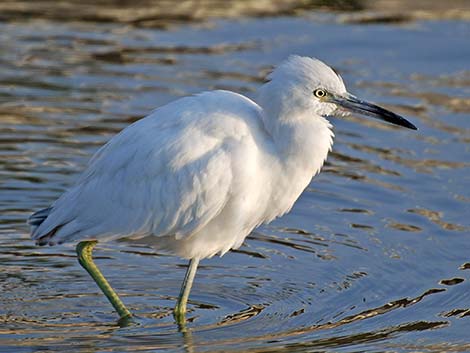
311 84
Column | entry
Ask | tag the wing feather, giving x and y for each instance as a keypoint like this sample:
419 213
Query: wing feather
167 174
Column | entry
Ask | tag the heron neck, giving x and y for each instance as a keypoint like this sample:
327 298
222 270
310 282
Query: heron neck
302 138
302 143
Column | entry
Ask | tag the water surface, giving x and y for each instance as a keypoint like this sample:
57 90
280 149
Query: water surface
373 257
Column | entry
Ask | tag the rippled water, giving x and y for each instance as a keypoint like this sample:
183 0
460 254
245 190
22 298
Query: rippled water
373 257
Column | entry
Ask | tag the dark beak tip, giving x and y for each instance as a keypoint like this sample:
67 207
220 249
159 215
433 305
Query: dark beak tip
410 126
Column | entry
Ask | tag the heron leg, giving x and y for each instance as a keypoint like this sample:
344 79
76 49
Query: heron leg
180 308
84 252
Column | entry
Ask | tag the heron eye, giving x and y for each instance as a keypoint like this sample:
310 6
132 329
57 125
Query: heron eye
319 93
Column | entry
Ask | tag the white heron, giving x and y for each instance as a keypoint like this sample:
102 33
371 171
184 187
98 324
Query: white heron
197 175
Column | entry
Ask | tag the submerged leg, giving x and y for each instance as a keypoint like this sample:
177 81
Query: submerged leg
180 308
84 252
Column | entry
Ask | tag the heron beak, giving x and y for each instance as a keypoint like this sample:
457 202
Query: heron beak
352 104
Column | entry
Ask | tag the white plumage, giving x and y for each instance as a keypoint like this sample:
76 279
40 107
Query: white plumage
196 176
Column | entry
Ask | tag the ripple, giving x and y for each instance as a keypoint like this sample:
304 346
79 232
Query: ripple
451 281
436 218
352 267
460 313
405 227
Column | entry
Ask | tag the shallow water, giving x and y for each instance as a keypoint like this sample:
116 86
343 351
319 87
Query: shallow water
373 257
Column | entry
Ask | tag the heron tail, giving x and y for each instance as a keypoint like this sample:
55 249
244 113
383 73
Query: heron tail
38 217
35 220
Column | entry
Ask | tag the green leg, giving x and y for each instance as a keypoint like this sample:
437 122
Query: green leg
180 309
84 252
